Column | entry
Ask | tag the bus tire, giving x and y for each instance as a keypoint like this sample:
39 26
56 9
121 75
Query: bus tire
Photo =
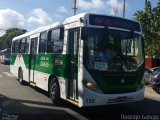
158 89
54 91
20 77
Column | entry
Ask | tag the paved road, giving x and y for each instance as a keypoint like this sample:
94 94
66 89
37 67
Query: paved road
29 103
26 103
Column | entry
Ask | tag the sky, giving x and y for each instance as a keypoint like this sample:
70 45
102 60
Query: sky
31 14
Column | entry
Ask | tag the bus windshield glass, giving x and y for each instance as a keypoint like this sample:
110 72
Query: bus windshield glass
112 50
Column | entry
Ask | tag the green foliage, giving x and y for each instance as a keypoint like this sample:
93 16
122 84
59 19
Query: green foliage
6 39
150 22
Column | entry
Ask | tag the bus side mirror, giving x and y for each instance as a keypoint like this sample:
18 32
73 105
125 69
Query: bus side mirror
84 33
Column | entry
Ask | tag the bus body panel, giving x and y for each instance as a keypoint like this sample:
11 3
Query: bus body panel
23 67
41 80
95 99
15 64
63 82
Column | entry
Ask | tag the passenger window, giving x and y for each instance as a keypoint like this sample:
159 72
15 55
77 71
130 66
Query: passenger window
42 42
57 37
13 47
23 45
17 42
50 43
27 45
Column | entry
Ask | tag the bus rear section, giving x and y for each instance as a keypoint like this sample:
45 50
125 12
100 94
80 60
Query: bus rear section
5 56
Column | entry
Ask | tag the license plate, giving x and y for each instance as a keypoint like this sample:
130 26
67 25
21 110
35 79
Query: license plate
121 99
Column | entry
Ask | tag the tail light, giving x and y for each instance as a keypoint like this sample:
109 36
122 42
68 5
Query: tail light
155 78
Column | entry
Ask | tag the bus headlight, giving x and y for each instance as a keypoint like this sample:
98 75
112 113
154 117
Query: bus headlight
91 86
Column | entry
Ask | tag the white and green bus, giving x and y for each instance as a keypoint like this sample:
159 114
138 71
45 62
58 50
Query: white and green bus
88 60
5 56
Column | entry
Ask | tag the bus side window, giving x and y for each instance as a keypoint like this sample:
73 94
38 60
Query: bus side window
17 43
13 47
23 45
49 43
42 42
57 37
27 45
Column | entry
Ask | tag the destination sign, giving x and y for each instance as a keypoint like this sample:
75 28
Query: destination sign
113 22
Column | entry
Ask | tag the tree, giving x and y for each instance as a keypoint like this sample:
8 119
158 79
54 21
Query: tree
149 19
156 20
6 39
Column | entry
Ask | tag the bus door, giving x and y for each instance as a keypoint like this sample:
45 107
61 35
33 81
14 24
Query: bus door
73 44
32 58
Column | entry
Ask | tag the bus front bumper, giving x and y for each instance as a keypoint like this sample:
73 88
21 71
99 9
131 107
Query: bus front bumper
95 99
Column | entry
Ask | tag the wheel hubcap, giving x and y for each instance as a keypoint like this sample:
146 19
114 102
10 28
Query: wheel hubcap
20 76
53 90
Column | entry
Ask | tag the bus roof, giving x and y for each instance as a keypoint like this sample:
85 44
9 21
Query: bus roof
43 28
81 15
38 30
75 18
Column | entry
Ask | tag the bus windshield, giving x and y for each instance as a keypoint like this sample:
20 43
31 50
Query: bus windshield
112 50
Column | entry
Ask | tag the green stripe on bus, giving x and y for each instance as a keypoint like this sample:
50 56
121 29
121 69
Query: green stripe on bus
13 59
48 63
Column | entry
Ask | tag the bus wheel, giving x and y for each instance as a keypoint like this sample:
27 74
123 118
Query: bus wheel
54 91
20 77
158 89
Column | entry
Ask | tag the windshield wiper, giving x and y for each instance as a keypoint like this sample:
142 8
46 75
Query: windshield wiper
129 43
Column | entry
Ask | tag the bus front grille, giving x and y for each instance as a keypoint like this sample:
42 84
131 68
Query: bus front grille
120 80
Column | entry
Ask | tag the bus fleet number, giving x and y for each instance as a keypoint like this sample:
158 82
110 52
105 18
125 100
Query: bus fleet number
90 100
